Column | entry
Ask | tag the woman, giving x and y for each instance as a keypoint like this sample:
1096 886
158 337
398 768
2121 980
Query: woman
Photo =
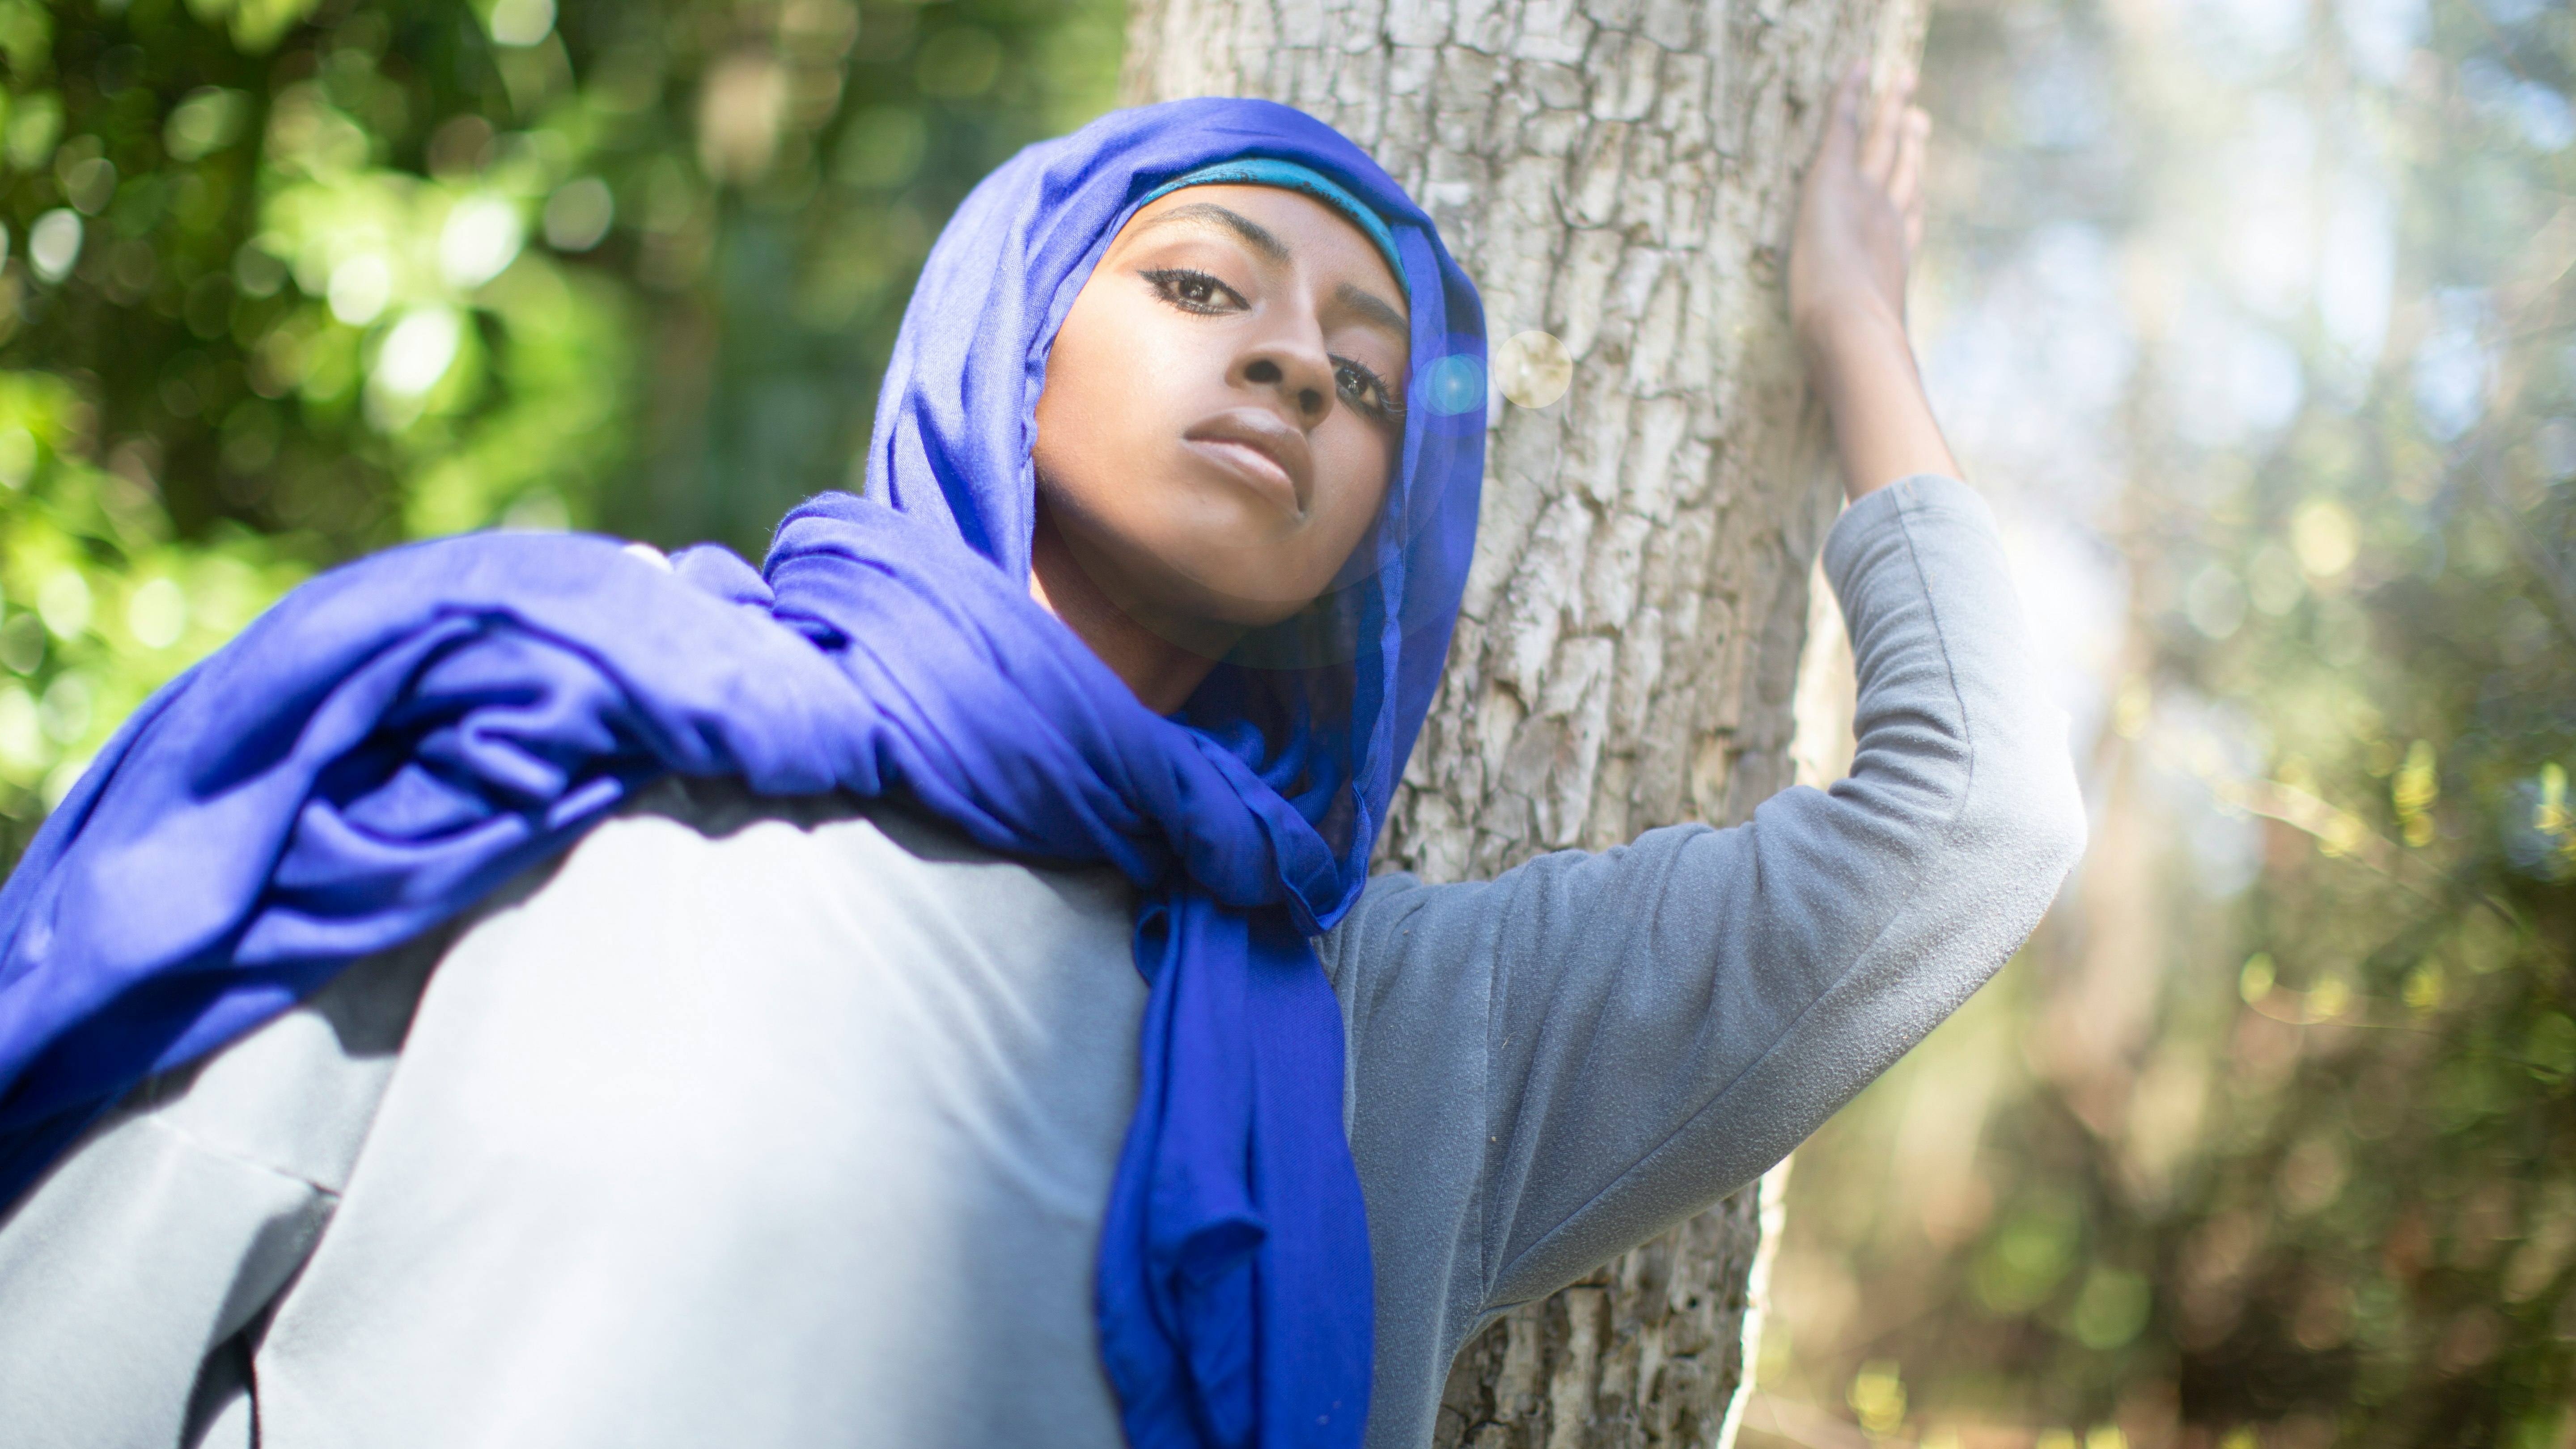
972 1023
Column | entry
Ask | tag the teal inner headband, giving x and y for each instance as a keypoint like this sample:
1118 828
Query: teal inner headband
1289 176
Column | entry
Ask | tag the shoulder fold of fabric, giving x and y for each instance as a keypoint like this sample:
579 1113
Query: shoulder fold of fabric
398 737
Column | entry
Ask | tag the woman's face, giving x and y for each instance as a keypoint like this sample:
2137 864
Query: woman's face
1223 408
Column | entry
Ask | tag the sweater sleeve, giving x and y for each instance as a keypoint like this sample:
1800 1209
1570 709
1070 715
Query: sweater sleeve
1602 1045
134 1274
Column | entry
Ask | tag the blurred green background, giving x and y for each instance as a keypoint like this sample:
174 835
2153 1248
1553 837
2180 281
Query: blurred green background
2254 317
288 281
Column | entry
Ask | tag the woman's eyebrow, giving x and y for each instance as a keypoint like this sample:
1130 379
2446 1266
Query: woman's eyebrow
1373 310
1260 238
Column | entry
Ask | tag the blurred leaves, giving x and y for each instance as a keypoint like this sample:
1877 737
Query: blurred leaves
2270 1137
282 282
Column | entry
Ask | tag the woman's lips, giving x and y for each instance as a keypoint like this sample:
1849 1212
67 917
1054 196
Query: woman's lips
1252 463
1272 459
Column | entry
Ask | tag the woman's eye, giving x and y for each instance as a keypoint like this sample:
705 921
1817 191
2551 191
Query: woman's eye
1364 388
1194 291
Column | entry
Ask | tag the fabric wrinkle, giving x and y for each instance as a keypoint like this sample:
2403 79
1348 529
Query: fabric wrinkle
395 740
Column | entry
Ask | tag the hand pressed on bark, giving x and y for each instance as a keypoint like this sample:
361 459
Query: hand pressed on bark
1860 218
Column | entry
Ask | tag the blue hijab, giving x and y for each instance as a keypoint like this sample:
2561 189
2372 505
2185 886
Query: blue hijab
396 738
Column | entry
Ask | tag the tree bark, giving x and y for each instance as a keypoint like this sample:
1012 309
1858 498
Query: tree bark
1621 174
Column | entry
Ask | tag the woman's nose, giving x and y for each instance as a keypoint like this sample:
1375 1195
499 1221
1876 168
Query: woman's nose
1298 370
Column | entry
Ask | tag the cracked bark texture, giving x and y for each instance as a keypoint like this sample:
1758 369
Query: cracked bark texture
1622 174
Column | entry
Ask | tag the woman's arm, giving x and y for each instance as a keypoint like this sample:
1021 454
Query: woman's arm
1591 1047
1553 1066
1859 221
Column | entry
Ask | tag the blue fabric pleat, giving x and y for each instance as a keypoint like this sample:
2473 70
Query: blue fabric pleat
398 737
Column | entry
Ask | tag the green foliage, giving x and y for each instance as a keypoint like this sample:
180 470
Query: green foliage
2380 1236
2280 1146
286 281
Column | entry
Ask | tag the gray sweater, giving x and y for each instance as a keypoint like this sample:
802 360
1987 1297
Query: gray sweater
789 1123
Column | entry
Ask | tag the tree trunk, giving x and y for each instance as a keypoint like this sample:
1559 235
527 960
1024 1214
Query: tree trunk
1621 174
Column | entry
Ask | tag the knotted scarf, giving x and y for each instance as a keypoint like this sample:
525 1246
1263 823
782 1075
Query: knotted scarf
400 736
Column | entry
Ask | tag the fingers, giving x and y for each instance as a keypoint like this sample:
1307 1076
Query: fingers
1905 181
1843 122
1879 148
1905 176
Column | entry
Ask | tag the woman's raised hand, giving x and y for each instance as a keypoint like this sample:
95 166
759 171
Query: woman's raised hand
1859 220
1861 214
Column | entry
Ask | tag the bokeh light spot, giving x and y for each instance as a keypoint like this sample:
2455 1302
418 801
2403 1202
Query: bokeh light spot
1454 385
1534 369
157 614
578 214
522 22
359 289
418 351
2324 537
482 236
54 243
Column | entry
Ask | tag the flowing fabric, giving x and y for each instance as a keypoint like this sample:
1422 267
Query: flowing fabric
395 739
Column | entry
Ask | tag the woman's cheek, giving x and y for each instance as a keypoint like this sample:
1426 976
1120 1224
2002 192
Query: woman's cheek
1361 460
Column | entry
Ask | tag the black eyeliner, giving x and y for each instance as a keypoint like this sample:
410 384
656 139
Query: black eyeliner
1391 409
1162 279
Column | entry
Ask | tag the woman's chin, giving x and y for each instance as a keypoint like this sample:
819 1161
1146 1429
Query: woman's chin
1218 593
1191 589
